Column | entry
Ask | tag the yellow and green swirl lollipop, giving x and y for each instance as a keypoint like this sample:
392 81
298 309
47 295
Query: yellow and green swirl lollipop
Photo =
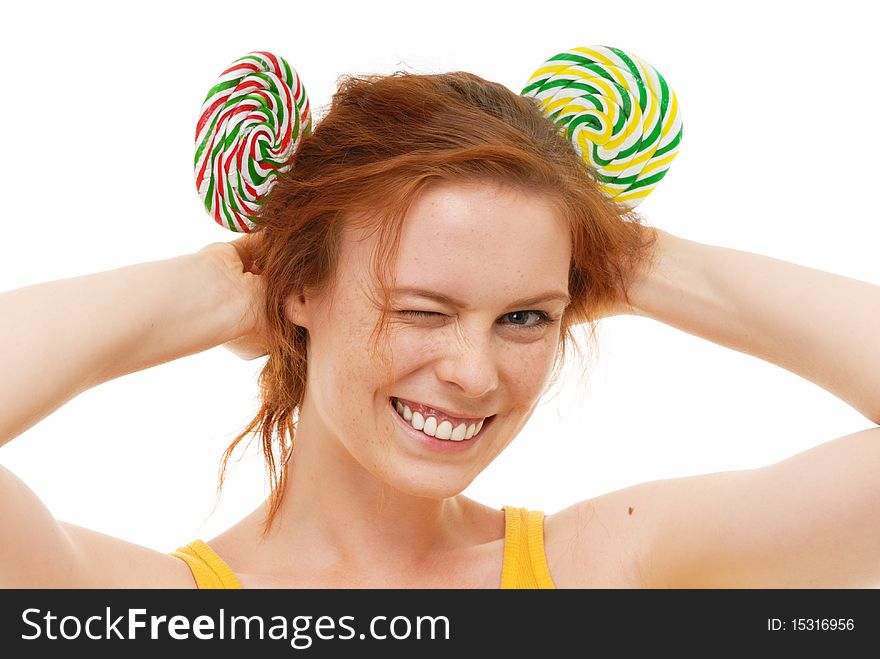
619 113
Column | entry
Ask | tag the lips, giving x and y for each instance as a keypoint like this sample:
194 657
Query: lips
437 444
440 414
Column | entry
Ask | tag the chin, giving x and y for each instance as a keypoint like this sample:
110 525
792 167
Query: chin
428 486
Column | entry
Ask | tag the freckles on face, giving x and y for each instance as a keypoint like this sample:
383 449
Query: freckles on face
491 250
483 253
341 365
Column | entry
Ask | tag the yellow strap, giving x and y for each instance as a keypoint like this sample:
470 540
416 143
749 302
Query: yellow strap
525 562
510 564
207 567
540 569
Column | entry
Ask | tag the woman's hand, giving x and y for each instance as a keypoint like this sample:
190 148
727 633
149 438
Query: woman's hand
236 260
635 278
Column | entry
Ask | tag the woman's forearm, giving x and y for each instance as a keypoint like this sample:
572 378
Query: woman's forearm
60 338
821 326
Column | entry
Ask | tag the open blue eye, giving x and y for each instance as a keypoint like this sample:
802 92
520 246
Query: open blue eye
543 318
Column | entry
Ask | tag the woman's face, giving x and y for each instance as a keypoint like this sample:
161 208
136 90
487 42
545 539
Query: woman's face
501 257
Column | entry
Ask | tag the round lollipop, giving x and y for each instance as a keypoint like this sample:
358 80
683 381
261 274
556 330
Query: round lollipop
251 122
619 113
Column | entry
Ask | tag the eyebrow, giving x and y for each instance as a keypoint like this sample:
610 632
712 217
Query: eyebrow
446 299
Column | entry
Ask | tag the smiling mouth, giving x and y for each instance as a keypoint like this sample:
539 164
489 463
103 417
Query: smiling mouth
441 429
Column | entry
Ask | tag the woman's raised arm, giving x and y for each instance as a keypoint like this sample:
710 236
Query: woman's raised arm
821 326
807 521
60 338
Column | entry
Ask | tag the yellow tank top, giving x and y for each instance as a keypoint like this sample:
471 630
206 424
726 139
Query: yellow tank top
524 564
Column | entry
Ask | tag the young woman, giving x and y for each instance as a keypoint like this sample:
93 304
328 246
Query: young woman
414 282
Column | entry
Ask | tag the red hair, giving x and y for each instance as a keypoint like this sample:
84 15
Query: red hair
382 141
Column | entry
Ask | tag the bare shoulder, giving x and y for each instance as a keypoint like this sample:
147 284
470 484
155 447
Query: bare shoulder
108 562
643 536
805 521
597 543
39 551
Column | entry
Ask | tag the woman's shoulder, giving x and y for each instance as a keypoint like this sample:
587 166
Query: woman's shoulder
110 562
651 534
597 543
37 550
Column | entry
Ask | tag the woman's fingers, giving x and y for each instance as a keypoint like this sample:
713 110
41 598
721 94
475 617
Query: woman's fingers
249 249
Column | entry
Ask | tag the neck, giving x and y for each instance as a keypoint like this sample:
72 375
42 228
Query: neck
353 514
335 515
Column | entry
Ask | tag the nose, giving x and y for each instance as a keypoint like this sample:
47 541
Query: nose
470 363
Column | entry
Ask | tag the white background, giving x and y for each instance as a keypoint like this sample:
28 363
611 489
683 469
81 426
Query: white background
779 156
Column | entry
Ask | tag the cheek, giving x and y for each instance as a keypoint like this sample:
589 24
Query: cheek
414 349
529 368
341 365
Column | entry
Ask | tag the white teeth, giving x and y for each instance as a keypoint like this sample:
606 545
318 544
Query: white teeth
430 426
444 430
418 421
